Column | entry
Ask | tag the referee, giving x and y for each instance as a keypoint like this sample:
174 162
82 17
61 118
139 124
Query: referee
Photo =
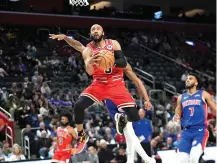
143 130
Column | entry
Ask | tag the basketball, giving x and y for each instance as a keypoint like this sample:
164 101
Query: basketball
107 60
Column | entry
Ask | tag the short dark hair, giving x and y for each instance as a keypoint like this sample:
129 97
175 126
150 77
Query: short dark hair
196 76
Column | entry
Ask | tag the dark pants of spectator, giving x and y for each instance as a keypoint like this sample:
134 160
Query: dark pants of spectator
147 148
43 153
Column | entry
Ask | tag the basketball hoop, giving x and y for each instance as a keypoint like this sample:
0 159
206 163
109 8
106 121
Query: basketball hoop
78 2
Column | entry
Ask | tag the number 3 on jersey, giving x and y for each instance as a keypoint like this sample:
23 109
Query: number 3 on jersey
191 110
108 71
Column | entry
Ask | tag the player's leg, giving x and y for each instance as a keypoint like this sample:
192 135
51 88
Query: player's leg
113 112
126 104
86 99
133 139
184 147
199 143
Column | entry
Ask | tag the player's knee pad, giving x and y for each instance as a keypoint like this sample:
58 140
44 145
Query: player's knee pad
183 157
81 104
132 114
195 153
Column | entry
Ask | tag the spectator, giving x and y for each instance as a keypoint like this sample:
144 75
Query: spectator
105 155
13 106
83 76
93 157
6 149
43 145
120 139
212 132
2 156
42 128
143 130
169 143
32 138
120 157
31 49
3 72
176 142
45 89
82 157
154 143
16 154
35 77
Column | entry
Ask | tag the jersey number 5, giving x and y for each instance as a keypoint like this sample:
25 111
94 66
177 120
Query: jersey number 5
108 71
192 111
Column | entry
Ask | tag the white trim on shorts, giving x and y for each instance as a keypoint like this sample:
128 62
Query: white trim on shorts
125 105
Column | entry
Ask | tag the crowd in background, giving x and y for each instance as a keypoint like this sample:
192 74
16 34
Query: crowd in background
40 78
134 11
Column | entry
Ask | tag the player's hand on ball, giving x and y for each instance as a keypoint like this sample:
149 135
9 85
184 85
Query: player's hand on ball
148 105
58 37
93 60
176 118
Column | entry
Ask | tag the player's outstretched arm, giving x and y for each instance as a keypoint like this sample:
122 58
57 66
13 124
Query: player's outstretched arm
72 42
120 60
139 85
89 60
207 97
178 110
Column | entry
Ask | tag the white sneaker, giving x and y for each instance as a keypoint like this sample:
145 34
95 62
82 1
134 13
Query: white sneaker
151 160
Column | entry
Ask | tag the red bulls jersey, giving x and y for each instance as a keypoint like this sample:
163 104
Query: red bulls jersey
64 139
112 74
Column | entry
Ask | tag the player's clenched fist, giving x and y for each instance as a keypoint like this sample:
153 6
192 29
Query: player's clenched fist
58 37
176 118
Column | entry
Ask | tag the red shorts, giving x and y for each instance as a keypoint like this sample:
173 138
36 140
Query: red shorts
116 92
63 156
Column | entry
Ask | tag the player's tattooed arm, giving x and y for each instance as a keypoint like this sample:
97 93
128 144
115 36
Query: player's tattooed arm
120 60
75 44
89 60
139 85
207 97
72 42
178 110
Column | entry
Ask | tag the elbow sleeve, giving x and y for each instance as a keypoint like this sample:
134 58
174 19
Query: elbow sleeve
120 60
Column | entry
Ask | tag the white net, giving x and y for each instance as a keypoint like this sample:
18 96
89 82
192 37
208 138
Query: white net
78 2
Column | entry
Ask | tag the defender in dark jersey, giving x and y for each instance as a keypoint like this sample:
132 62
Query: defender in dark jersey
191 111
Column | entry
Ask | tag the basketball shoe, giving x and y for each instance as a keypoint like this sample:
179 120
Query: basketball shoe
121 122
81 142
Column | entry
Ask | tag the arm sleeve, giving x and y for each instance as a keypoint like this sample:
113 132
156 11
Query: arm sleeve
120 60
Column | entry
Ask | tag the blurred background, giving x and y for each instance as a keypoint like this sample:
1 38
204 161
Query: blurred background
163 40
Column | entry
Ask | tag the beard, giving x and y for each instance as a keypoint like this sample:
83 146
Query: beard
64 124
97 38
189 86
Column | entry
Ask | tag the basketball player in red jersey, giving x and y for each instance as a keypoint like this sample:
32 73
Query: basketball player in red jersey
65 136
107 84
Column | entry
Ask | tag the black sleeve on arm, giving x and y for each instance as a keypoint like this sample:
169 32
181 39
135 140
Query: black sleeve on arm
120 60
